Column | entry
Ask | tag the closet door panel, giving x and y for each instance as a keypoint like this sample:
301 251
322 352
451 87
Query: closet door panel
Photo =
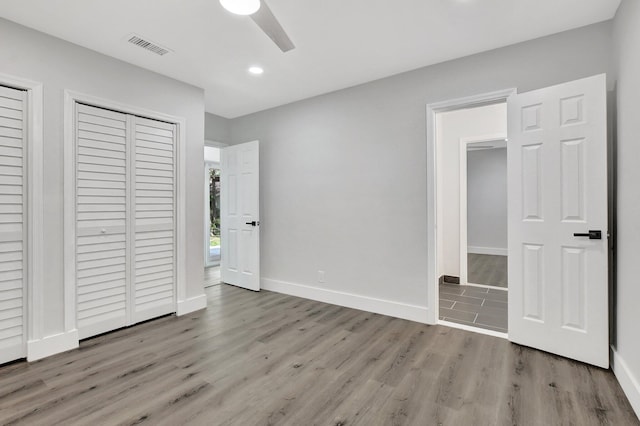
154 219
12 224
101 220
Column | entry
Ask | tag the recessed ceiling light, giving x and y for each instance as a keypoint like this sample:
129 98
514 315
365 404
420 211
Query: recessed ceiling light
256 70
241 7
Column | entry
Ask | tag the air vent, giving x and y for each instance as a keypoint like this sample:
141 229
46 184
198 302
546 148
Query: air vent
148 45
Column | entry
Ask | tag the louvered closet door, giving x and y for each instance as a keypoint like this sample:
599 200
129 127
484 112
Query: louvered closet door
101 213
154 222
12 224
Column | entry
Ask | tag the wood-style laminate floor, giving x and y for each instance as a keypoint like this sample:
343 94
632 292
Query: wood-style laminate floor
487 269
266 359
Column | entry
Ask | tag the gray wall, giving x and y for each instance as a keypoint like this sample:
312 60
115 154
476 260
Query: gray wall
487 198
343 175
216 128
60 65
627 314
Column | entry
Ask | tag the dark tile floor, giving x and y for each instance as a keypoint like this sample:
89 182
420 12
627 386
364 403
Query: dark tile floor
475 306
487 269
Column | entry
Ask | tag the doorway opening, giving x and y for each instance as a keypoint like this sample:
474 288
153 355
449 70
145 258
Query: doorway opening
471 213
483 211
214 214
212 237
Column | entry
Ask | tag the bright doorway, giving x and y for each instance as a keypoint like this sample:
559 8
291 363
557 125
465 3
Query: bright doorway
472 213
212 237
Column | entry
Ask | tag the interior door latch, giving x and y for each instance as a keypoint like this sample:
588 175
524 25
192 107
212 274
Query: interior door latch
593 235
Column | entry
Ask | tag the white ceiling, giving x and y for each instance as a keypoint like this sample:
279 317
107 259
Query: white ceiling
340 43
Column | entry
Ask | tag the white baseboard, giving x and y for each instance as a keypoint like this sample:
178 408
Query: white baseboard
628 382
363 303
191 304
488 250
51 345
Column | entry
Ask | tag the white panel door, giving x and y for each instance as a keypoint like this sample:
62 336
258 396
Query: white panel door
154 271
239 216
12 224
101 220
558 297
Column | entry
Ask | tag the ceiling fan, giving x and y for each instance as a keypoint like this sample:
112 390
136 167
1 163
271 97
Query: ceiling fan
261 14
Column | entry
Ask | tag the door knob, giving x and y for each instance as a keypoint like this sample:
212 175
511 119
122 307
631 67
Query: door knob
253 223
593 235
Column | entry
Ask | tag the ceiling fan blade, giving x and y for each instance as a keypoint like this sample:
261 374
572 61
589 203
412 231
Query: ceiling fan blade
267 21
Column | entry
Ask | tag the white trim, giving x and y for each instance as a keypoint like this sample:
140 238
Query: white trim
474 329
462 214
32 297
181 209
432 180
51 345
69 225
215 144
432 214
628 382
192 304
495 251
71 98
490 287
349 300
207 225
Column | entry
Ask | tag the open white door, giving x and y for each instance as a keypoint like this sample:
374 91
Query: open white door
239 216
557 159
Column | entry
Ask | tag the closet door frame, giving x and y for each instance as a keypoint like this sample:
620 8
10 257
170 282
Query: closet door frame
71 99
33 181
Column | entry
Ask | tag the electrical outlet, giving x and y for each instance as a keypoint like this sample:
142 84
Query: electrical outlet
320 276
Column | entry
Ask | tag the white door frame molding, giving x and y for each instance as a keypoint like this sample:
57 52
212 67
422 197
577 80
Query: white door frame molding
215 144
71 98
432 179
32 298
464 279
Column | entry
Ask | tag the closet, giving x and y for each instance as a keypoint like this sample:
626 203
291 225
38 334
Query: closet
125 219
13 253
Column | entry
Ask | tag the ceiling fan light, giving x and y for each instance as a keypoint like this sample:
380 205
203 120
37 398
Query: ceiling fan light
241 7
